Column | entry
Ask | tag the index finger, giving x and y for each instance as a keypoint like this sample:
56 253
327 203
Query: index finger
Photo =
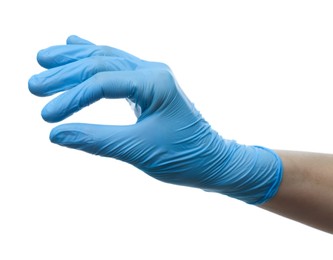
115 84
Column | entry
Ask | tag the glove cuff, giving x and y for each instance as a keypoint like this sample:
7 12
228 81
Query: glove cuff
250 173
274 176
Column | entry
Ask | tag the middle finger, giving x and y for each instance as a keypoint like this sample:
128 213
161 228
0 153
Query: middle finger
68 76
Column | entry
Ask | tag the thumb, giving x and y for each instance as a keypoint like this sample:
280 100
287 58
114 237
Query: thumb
73 39
118 142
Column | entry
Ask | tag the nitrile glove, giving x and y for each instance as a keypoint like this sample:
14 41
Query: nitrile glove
170 141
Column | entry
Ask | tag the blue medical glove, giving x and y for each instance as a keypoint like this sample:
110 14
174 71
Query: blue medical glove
170 141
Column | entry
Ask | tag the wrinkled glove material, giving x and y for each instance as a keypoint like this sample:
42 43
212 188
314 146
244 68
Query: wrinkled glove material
170 141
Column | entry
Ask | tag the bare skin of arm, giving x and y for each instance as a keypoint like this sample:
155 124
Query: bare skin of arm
306 190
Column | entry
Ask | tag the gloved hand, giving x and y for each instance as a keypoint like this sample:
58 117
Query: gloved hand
170 141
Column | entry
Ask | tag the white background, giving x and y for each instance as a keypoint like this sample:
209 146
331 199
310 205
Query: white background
259 71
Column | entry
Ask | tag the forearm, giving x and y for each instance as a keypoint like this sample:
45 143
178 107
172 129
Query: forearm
306 190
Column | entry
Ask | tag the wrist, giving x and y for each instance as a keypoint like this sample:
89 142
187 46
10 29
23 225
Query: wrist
249 173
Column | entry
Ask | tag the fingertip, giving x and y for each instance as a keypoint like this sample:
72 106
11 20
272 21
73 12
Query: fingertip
44 59
71 38
50 116
58 134
74 39
54 135
36 86
33 86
